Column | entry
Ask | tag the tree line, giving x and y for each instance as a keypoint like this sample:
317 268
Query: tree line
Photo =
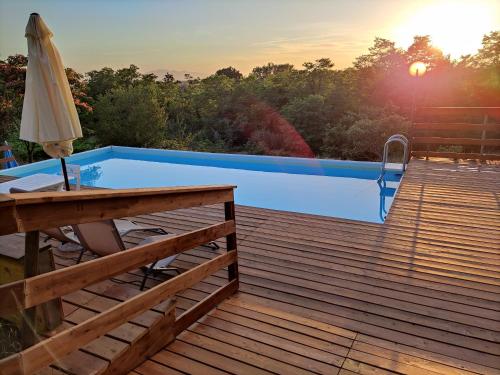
315 110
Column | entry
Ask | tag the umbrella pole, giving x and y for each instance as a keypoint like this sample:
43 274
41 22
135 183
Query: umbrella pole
65 173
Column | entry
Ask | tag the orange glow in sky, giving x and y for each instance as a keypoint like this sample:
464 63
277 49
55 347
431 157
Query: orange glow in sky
200 37
456 27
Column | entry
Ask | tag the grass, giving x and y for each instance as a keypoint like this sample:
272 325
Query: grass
10 339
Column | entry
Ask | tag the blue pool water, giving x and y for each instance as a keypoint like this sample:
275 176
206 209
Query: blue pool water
342 189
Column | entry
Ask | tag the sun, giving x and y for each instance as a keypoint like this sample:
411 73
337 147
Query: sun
456 27
417 69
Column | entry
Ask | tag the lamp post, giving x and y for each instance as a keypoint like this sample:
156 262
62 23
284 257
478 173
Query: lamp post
417 70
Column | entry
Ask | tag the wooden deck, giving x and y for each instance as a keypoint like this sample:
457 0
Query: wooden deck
419 294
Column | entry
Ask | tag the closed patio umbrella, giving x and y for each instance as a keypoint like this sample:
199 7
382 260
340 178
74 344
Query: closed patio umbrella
49 114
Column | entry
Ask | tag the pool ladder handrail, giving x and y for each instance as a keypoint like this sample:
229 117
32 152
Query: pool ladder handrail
394 138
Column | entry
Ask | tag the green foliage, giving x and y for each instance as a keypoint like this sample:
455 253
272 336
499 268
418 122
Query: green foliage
277 109
229 72
10 339
361 135
489 54
310 118
130 117
271 69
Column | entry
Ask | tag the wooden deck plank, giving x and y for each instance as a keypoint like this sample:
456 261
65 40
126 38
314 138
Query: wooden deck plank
215 359
417 294
290 357
185 364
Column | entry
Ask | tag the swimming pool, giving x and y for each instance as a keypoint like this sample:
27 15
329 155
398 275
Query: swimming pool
344 189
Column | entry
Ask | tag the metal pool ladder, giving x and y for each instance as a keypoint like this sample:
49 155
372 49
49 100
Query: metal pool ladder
394 138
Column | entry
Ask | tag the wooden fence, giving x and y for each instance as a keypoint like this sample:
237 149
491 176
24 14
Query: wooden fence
31 212
474 145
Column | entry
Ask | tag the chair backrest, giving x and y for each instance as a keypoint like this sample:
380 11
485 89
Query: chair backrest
100 237
58 234
7 160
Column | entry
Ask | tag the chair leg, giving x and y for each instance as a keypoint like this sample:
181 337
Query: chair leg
147 271
212 245
155 230
151 269
80 256
143 282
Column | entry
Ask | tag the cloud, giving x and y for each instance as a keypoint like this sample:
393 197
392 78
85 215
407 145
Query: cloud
339 46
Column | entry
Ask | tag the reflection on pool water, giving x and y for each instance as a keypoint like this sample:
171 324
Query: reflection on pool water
323 187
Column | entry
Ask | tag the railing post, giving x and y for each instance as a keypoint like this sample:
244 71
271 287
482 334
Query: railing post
229 214
483 133
31 251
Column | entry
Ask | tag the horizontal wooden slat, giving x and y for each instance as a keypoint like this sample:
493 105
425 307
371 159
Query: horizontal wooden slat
456 155
6 160
204 306
42 288
490 111
45 352
455 126
90 194
455 141
32 211
5 148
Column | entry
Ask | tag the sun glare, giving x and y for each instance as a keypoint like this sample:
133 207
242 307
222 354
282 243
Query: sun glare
456 27
417 69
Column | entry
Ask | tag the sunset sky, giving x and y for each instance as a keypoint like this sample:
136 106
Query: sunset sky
203 36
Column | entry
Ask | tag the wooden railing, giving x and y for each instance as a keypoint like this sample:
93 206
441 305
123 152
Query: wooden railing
31 212
472 137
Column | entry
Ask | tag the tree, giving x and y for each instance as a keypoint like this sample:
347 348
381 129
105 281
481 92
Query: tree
100 82
12 78
150 77
12 81
489 54
318 74
79 90
126 77
229 72
308 116
266 131
270 69
130 117
383 55
276 109
361 135
168 78
422 50
17 61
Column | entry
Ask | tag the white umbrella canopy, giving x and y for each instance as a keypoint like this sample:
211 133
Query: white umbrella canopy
49 114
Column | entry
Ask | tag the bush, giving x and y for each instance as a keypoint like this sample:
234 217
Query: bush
131 116
361 136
